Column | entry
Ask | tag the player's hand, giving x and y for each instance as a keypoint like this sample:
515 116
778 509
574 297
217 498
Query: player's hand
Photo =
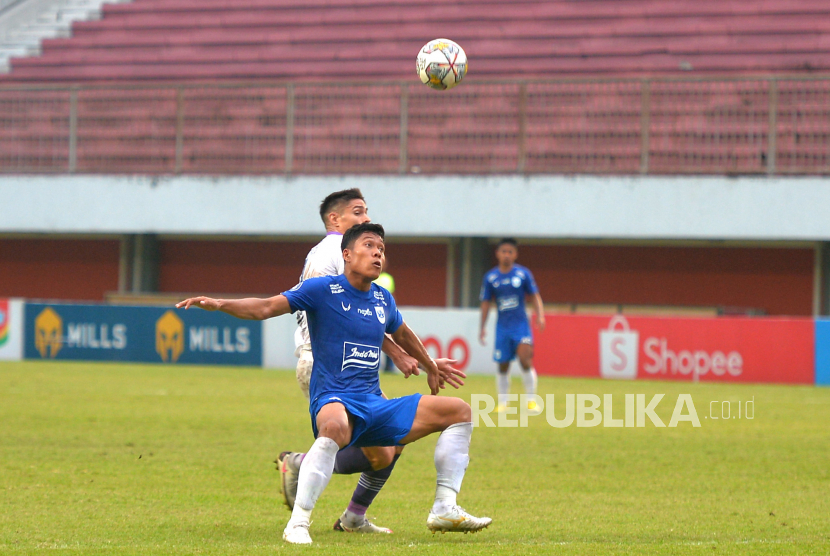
450 374
206 303
435 383
540 321
481 336
407 364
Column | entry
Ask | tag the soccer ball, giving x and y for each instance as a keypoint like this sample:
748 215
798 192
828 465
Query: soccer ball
441 64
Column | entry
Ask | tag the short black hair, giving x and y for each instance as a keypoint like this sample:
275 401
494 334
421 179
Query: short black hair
357 230
509 241
335 201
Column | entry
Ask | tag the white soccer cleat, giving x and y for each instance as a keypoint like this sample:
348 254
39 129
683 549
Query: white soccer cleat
365 527
457 521
289 476
297 533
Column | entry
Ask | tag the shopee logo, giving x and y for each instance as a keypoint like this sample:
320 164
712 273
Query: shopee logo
619 348
661 360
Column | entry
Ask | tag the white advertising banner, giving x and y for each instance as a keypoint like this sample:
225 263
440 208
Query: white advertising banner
11 329
445 333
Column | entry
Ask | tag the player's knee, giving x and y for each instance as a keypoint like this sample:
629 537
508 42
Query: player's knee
336 431
462 413
380 458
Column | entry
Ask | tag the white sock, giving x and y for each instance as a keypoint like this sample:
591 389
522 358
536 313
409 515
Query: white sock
315 473
529 379
503 386
452 455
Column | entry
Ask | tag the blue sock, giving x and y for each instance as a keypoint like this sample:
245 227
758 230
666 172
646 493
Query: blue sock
351 460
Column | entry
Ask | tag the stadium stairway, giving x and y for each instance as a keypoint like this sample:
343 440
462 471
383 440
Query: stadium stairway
25 23
371 40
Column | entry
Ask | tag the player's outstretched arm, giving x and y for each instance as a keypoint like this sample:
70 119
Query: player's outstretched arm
436 377
250 308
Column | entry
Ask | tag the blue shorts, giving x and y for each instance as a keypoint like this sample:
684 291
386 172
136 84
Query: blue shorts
508 341
377 421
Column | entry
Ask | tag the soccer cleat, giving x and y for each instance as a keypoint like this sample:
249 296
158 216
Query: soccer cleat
365 527
289 476
297 533
457 521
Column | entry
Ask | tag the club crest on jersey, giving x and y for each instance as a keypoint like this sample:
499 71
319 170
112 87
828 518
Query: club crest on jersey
360 356
381 314
336 288
517 282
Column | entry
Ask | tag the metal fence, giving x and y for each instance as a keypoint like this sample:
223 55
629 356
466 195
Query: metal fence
660 126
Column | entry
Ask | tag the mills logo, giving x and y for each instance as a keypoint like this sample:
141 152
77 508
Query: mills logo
48 333
169 337
4 321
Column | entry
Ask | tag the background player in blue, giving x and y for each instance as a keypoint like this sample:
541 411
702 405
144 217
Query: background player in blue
348 316
509 284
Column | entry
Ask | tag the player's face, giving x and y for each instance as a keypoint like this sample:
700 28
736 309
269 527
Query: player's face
367 257
506 254
353 214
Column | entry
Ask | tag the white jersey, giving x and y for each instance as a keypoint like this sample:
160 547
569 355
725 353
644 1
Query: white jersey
324 259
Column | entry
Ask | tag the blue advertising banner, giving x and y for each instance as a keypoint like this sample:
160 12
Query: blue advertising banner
823 352
148 334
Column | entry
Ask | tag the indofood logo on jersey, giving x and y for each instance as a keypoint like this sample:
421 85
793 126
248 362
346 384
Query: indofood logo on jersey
4 321
360 356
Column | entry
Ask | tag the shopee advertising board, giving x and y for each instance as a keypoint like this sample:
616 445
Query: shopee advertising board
726 349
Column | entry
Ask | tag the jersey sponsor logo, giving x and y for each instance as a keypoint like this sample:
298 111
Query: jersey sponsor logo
360 356
381 314
510 302
365 312
379 296
169 337
336 288
346 308
516 281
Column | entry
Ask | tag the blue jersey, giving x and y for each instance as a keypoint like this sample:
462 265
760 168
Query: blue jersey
509 291
347 327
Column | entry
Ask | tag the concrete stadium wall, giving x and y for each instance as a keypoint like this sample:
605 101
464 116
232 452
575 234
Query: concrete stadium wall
587 207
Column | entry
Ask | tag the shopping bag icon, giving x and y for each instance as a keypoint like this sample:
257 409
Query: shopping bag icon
618 350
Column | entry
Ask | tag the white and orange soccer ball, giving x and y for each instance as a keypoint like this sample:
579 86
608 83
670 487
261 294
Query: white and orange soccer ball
441 64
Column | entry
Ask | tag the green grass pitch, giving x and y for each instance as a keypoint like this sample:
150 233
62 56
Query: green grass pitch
142 459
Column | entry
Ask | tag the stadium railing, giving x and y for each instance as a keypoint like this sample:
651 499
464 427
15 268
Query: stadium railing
763 125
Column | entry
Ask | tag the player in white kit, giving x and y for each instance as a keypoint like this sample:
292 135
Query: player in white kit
340 211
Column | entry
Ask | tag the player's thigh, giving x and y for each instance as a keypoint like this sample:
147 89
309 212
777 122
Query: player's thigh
379 456
436 413
333 422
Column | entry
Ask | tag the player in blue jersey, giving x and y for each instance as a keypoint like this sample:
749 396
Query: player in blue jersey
508 285
348 317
